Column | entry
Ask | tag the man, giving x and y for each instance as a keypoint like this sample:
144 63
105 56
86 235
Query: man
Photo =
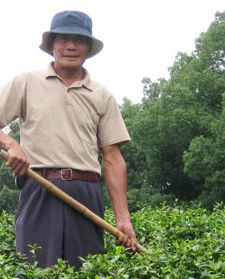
65 120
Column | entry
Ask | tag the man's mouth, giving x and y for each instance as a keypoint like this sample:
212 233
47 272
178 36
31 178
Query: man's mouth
72 57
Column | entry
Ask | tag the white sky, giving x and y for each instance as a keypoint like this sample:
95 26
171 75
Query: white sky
141 38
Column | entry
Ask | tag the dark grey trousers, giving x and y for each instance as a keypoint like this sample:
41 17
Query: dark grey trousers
58 229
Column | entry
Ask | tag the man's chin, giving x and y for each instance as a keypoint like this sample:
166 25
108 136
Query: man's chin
73 65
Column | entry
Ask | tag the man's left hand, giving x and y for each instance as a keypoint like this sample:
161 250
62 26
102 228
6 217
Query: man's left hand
129 240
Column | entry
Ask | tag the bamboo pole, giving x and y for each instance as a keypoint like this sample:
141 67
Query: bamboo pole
75 204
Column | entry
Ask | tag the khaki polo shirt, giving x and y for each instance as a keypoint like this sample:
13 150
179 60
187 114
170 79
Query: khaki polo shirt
62 126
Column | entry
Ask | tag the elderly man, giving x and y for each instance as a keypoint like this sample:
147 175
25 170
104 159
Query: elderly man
66 119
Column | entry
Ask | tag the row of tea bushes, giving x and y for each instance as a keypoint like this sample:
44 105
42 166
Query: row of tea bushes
182 243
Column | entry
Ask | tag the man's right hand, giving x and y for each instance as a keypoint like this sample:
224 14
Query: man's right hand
17 160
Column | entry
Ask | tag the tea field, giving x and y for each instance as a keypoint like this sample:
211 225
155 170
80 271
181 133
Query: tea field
182 243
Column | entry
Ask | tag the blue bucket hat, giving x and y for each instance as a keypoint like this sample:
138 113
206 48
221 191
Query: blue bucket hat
71 22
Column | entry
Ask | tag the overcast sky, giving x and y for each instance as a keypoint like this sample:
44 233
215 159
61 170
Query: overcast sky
141 38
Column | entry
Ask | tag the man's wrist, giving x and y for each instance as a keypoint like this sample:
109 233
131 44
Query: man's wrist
9 143
122 217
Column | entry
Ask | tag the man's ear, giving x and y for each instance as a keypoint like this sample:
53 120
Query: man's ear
90 44
50 42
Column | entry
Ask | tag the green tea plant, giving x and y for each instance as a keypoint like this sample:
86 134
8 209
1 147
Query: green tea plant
182 243
8 199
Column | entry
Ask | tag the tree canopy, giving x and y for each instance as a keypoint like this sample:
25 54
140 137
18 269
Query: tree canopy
178 128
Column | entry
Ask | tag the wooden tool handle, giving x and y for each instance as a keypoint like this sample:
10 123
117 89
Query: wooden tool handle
74 203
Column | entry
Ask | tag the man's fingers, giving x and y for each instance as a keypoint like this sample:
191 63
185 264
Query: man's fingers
128 242
133 244
17 165
123 240
20 169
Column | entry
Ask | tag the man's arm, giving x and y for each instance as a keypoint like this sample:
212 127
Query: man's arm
115 173
17 160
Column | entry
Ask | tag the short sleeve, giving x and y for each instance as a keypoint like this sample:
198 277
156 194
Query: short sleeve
12 101
111 129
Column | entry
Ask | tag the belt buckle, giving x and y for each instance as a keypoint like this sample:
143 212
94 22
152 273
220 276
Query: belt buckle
66 174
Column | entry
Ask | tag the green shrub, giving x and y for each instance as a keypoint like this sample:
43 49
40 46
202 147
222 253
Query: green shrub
8 199
182 243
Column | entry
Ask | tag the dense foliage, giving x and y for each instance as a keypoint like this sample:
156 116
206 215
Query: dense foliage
178 129
182 243
8 191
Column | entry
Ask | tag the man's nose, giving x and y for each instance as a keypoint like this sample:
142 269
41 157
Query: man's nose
72 44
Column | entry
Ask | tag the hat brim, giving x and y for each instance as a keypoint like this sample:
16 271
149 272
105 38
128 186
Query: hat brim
46 46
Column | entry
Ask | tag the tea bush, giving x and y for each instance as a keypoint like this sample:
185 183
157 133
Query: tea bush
8 199
182 243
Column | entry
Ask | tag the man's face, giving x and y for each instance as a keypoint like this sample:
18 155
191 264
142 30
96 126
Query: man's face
70 51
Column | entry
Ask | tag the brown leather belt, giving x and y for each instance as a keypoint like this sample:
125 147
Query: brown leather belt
67 174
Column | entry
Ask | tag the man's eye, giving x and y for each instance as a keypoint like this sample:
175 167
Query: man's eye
64 37
75 38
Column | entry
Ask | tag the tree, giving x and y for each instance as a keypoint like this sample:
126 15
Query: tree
134 156
177 112
205 161
203 71
164 131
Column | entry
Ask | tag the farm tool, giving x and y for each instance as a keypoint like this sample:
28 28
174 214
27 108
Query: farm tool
75 204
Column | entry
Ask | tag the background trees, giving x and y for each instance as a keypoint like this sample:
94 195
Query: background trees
179 125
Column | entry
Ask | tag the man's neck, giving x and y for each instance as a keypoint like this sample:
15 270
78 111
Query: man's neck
69 76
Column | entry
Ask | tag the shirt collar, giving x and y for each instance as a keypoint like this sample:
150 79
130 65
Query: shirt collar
85 82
